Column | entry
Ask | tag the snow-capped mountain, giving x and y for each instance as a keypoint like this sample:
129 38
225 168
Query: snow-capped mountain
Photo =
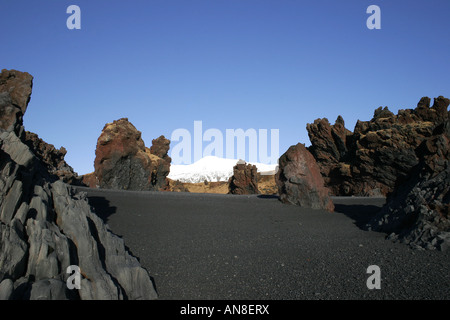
212 169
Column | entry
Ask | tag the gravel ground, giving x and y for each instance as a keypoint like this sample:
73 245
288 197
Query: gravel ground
219 247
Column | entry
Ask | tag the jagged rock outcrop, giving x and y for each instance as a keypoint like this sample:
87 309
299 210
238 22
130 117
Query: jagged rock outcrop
244 179
15 93
299 180
160 162
45 226
329 145
380 153
418 211
160 148
123 162
52 158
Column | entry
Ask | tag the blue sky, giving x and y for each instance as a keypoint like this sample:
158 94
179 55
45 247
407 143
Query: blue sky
262 64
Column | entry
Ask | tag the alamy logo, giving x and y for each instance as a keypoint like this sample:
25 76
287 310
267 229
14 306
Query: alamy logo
237 142
374 21
374 281
74 20
73 281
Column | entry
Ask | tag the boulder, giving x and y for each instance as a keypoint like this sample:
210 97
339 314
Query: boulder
123 162
244 179
299 180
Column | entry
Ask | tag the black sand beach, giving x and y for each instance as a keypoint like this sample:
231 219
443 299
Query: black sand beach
210 246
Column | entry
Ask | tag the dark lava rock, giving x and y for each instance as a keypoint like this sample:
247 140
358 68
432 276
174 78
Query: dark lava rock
299 180
45 226
15 93
159 156
380 153
244 179
160 148
329 145
123 162
52 158
417 212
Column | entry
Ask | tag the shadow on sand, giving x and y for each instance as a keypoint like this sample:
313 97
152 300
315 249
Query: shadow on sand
268 196
360 214
102 207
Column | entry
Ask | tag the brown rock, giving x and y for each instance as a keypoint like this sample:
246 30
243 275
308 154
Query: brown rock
329 146
123 162
299 180
158 153
15 93
160 169
160 148
52 158
244 179
90 180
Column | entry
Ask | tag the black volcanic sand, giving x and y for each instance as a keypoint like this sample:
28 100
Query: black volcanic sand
209 246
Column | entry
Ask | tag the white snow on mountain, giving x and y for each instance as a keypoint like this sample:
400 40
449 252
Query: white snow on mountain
212 169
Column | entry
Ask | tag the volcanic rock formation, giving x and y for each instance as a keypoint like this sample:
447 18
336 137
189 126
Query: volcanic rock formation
299 180
380 153
123 162
244 179
15 93
52 158
159 156
45 226
418 211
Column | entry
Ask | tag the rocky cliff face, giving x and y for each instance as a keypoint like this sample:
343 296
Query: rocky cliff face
380 153
299 180
45 226
123 162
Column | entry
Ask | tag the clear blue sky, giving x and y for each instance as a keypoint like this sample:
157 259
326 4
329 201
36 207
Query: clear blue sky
231 63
